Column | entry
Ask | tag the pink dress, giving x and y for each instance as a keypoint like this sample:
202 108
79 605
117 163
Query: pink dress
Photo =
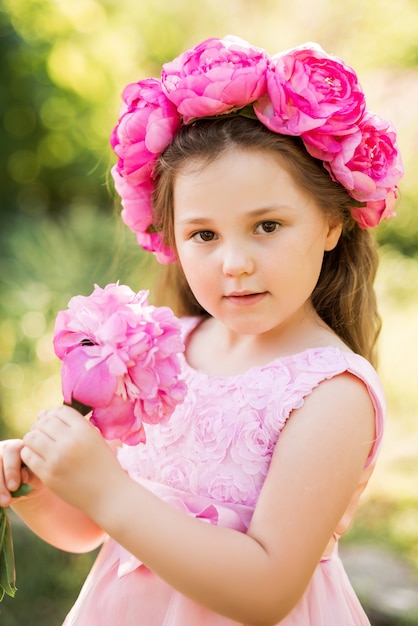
211 460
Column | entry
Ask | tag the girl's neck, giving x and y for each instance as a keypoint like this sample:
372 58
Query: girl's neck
216 350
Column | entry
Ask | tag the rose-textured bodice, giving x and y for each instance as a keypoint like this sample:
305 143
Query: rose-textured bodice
219 442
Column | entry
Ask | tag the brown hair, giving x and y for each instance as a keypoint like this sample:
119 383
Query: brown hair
344 296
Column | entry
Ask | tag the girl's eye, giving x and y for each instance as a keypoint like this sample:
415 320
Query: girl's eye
268 226
204 235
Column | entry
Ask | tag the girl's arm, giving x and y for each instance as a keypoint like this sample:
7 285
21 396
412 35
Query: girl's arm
50 517
58 523
254 578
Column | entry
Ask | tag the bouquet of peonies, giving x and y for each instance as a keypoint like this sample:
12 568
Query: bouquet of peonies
119 362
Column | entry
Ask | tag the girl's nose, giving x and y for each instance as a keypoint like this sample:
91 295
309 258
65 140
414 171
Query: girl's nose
237 261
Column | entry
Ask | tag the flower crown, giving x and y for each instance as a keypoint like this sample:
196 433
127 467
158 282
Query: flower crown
302 92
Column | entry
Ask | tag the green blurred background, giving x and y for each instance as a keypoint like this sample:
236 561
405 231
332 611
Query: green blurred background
63 66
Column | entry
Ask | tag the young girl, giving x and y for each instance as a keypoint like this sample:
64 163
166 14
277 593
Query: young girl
257 178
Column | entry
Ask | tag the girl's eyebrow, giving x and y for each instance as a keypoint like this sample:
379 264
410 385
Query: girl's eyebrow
254 213
195 220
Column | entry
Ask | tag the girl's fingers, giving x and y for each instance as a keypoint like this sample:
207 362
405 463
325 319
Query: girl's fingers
10 469
38 445
59 439
57 420
52 424
36 441
32 459
12 464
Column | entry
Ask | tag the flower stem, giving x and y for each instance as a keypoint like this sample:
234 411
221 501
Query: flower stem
79 406
7 561
7 558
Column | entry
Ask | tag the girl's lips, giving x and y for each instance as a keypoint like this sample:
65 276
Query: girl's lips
245 299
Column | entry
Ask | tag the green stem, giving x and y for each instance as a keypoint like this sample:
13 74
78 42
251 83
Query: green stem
7 557
7 561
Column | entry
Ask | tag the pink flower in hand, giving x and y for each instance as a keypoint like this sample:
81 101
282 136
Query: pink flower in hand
307 89
217 76
119 357
147 124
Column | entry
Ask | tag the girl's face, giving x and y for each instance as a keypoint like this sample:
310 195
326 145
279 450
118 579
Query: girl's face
250 241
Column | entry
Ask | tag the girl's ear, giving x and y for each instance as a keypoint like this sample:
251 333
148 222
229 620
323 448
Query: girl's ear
334 232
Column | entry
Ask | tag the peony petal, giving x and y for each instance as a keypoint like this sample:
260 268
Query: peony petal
94 386
119 421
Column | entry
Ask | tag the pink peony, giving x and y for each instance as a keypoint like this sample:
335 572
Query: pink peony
217 76
325 146
119 357
375 212
137 215
307 89
153 242
369 164
136 202
147 124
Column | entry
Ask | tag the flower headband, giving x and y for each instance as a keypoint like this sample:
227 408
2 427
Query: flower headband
302 92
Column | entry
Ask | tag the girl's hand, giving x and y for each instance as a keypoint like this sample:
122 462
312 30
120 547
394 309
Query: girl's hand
12 472
71 457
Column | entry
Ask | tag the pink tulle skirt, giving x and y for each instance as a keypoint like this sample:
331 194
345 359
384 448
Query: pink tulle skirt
139 598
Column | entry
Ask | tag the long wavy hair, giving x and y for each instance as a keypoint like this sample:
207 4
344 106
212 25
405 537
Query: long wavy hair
344 296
